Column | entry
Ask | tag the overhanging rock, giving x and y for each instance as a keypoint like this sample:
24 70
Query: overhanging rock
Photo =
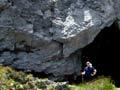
44 35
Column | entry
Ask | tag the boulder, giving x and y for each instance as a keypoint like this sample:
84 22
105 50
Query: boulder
48 35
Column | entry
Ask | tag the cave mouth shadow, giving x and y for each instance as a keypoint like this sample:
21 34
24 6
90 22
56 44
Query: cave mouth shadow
104 54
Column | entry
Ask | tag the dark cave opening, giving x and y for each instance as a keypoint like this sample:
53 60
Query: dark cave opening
103 52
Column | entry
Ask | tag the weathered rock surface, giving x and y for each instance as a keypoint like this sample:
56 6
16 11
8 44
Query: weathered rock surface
47 35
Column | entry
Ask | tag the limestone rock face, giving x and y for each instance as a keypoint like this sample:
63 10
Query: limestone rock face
47 35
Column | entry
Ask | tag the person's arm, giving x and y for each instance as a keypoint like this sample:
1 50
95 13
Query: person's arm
83 73
94 72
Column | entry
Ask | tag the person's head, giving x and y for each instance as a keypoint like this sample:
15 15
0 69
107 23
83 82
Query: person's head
88 64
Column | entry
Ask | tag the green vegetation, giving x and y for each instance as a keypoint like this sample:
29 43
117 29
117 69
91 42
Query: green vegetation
11 79
102 83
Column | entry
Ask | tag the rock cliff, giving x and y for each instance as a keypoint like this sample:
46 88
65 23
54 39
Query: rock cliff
48 35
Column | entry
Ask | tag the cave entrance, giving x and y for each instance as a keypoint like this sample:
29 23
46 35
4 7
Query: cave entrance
104 53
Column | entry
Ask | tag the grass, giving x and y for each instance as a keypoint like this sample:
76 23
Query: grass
101 83
11 79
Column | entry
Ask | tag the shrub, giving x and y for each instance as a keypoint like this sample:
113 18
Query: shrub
11 79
